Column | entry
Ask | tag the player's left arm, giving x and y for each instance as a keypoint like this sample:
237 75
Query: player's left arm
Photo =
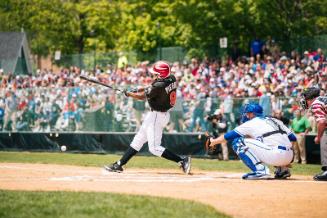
136 95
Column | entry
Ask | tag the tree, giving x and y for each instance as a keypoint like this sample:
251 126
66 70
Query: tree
81 26
291 20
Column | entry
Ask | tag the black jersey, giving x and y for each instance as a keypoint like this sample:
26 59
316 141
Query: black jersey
162 94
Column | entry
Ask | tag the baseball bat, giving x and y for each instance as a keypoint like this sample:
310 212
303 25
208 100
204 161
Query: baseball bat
99 83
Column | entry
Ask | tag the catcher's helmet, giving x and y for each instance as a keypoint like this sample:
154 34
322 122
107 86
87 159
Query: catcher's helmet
254 108
161 68
308 94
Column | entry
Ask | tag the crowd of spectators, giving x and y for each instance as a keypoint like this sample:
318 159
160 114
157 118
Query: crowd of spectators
61 101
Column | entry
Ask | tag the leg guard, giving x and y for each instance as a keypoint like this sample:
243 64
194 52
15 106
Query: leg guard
248 157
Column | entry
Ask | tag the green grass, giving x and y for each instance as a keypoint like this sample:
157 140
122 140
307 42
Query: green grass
98 160
90 204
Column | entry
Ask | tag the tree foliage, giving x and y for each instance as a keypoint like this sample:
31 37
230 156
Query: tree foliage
78 26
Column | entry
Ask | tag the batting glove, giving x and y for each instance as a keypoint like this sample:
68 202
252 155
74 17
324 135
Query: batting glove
126 93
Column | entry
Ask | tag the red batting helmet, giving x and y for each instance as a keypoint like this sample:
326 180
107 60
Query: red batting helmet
161 68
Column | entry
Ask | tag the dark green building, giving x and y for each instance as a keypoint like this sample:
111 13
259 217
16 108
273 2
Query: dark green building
14 53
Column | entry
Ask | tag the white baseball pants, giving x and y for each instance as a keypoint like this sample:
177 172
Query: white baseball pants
151 131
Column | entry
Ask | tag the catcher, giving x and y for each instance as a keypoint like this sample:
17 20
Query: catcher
260 141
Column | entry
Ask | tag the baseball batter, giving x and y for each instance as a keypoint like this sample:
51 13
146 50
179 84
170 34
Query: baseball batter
161 96
260 141
318 104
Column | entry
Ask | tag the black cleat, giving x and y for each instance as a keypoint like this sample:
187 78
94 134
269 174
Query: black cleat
321 176
115 167
186 165
282 173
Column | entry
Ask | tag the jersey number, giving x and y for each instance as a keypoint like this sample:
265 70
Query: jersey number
172 98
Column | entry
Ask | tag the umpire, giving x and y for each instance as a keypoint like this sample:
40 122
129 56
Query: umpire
318 104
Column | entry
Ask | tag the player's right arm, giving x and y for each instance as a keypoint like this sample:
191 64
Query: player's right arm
245 129
319 112
229 136
321 126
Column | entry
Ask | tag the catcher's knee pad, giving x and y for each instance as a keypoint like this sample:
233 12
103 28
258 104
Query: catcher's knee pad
238 144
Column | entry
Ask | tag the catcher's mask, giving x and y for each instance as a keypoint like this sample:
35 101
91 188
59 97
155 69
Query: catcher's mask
254 108
161 68
308 94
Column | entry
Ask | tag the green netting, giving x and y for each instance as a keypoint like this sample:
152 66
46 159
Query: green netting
302 44
171 54
95 59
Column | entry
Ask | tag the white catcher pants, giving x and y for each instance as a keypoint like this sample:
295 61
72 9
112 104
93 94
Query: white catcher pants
276 155
151 131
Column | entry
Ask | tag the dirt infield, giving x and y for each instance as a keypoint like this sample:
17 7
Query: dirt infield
298 197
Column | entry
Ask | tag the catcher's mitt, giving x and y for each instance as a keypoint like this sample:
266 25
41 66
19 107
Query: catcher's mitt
207 143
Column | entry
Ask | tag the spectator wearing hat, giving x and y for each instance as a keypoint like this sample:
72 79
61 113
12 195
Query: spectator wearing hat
306 58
